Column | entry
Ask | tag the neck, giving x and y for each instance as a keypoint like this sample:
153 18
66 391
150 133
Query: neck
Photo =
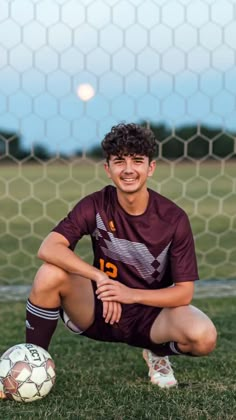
134 203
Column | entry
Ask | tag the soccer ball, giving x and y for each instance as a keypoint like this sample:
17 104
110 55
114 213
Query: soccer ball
27 372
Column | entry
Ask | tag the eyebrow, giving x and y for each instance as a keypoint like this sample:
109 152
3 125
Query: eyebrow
141 157
118 158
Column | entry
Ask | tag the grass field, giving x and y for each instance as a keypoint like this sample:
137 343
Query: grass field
109 381
97 381
33 198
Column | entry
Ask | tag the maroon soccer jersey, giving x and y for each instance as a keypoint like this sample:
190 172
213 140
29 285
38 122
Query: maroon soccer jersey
153 250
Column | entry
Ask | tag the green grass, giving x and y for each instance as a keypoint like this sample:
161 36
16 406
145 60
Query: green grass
33 198
109 381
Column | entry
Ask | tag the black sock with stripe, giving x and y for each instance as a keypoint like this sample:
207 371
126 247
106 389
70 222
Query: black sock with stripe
170 348
40 324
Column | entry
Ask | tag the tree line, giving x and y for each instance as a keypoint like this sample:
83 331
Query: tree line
195 142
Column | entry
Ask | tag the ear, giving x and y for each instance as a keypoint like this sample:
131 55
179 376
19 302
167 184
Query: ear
107 169
152 167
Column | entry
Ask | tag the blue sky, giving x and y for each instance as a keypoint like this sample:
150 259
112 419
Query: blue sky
162 61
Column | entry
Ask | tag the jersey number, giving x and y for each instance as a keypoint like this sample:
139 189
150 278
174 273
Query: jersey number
108 268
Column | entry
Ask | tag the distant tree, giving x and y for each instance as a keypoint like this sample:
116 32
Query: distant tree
95 152
41 152
10 145
161 131
191 141
202 141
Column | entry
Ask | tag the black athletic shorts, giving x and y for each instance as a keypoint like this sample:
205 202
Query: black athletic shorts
133 328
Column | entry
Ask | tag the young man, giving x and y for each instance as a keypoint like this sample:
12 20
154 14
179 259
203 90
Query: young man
142 245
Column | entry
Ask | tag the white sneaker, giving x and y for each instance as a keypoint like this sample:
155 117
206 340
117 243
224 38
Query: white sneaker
160 370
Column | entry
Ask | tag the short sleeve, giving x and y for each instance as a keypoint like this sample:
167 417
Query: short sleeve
80 221
182 252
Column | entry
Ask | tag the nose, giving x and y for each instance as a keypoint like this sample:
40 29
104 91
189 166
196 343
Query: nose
128 167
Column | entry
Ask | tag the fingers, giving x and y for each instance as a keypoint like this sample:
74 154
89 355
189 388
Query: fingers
107 291
119 311
111 312
116 312
107 295
104 282
103 288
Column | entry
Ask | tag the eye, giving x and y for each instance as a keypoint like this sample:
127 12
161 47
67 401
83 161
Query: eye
118 161
138 160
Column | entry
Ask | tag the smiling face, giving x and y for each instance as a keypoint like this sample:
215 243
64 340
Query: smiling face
130 172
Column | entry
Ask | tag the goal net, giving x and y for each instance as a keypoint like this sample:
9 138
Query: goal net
168 65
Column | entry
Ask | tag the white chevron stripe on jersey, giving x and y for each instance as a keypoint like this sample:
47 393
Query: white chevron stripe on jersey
100 224
133 253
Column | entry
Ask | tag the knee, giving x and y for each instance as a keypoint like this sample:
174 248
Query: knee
49 277
203 339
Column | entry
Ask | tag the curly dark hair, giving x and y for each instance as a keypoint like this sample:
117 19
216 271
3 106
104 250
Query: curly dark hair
129 139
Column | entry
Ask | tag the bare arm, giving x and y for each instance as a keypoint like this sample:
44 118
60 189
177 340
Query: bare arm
55 250
178 295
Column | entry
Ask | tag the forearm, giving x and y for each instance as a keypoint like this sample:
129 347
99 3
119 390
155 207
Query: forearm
178 295
164 298
63 257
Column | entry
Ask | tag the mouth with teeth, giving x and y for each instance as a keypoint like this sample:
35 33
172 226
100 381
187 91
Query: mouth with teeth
128 179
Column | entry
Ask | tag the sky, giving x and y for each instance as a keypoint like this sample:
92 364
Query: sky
161 61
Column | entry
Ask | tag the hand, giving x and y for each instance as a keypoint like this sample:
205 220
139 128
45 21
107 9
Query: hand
112 312
113 291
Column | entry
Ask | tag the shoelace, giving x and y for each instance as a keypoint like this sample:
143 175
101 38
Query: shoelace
161 365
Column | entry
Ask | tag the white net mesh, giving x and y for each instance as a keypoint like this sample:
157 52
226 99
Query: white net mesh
168 63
